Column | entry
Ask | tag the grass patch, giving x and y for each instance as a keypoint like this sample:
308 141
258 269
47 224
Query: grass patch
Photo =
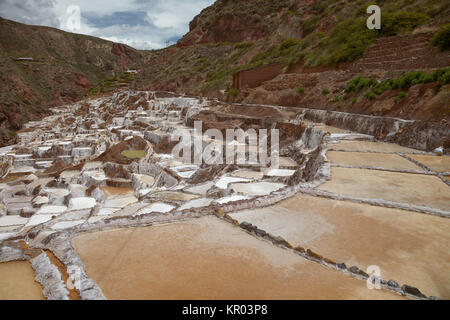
399 22
232 94
351 38
347 42
442 38
134 154
109 84
404 82
244 45
336 99
370 95
402 95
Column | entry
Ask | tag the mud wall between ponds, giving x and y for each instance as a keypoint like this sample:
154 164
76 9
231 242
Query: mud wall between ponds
371 125
425 136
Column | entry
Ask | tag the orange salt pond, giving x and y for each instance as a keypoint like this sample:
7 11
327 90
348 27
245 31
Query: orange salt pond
408 247
17 282
208 258
417 189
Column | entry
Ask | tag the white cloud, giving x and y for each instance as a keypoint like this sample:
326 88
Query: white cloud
143 24
175 13
29 11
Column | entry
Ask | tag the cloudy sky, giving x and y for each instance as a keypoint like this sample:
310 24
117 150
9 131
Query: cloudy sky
142 24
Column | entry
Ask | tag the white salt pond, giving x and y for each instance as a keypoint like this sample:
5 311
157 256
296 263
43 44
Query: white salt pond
196 203
256 188
185 171
66 224
120 202
248 174
107 211
81 203
55 210
38 219
223 182
201 189
279 173
159 207
232 199
9 221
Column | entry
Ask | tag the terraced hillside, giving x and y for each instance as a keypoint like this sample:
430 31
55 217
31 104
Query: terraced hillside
322 45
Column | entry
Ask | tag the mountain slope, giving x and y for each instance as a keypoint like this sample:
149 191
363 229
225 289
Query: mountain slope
303 36
63 67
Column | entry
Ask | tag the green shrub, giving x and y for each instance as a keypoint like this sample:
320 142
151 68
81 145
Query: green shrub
381 87
396 23
289 52
404 82
233 93
402 95
354 100
288 43
261 57
370 95
427 78
439 73
244 45
359 83
325 92
336 99
442 75
301 90
348 41
410 79
319 6
310 24
445 78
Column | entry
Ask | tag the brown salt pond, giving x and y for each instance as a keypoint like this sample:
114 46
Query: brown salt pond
112 192
408 247
173 196
286 162
418 189
435 163
208 258
369 146
331 129
17 282
378 160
